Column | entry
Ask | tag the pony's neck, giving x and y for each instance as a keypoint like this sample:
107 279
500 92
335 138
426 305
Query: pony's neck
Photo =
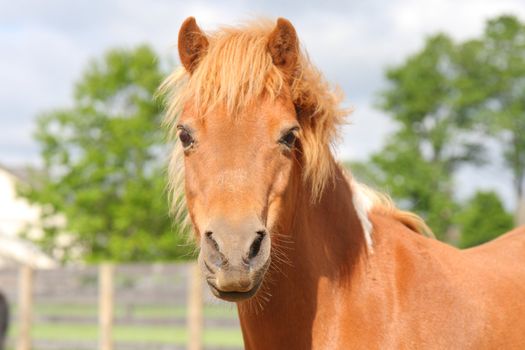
324 246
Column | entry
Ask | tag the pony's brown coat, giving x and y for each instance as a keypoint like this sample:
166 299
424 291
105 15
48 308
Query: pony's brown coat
325 289
413 292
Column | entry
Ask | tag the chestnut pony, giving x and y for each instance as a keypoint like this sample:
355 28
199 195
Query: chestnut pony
312 258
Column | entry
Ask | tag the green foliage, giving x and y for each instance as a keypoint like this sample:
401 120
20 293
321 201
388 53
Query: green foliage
418 160
483 219
493 89
447 99
418 184
104 162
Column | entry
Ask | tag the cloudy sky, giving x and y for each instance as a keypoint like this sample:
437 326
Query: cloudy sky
44 46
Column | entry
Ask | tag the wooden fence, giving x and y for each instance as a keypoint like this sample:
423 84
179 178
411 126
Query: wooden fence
116 307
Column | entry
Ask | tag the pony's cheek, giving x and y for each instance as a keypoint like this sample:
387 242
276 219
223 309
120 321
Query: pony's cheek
195 206
275 210
276 199
282 177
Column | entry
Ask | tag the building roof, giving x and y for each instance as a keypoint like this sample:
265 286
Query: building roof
15 214
17 251
21 173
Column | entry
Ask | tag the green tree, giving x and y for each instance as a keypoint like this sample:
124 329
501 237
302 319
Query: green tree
483 219
447 100
103 165
418 161
493 91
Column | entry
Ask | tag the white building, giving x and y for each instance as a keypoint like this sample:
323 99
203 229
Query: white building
17 215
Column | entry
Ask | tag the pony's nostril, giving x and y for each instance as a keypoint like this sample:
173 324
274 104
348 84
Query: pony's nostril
256 245
211 240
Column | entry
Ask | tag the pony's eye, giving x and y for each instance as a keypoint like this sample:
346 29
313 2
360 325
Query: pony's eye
289 138
185 138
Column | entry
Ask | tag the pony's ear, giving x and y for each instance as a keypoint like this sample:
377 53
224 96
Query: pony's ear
192 44
284 46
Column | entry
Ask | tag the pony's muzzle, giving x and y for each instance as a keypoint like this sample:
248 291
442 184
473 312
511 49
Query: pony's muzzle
233 280
234 258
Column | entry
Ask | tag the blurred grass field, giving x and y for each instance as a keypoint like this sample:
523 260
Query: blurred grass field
158 333
210 311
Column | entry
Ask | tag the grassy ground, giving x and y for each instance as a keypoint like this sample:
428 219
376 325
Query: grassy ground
132 333
153 311
155 334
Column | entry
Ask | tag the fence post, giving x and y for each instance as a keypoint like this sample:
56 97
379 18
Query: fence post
105 296
195 308
25 299
520 211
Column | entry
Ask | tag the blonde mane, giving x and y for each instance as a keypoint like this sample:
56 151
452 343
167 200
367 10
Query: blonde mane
366 200
236 70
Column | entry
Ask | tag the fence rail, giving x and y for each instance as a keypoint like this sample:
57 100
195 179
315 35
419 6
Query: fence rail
116 307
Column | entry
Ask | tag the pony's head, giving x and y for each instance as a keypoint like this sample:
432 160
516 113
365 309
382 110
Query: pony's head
253 118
